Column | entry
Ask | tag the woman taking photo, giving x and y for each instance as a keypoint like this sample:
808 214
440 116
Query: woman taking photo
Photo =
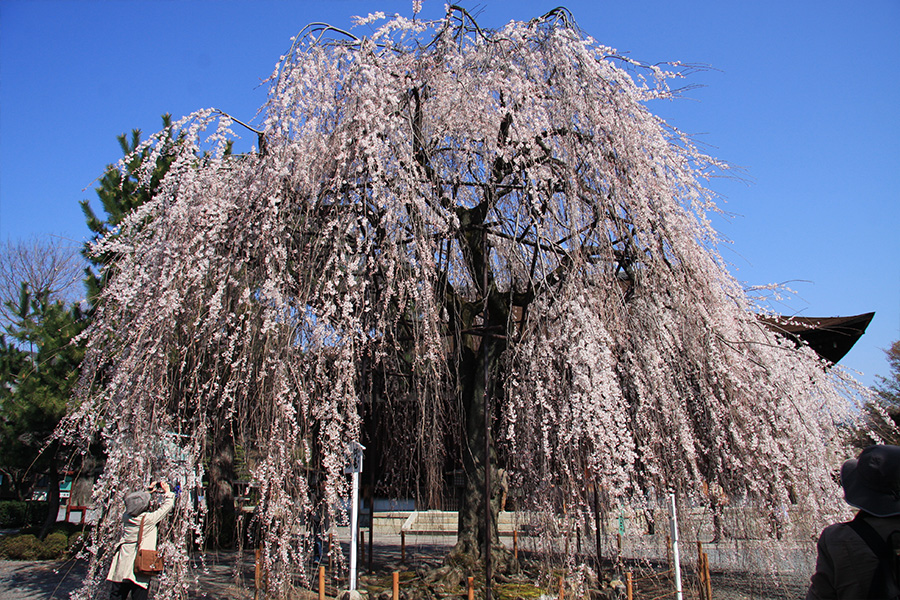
124 580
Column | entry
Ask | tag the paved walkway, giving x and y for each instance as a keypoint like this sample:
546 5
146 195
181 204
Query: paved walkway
24 580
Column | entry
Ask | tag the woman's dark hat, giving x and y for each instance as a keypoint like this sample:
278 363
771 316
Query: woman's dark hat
872 481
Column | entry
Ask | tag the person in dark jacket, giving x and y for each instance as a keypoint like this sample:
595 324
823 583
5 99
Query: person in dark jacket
854 558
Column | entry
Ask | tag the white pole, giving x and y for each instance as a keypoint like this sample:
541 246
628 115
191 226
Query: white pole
354 518
673 524
354 466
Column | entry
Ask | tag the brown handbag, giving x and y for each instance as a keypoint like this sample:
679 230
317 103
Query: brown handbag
146 562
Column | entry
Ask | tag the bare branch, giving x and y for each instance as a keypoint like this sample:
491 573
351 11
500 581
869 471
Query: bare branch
48 264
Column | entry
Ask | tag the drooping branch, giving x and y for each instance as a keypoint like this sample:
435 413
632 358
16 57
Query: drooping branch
442 210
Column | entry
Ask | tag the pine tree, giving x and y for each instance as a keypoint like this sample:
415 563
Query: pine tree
123 188
888 388
881 414
39 363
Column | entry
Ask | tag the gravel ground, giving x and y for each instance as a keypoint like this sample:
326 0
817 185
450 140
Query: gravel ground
46 580
24 580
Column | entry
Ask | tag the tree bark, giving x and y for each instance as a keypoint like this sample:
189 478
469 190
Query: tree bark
83 485
478 369
220 499
472 533
52 493
16 483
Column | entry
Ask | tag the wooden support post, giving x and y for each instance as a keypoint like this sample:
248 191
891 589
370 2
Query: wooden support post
702 591
257 576
361 547
601 526
704 581
471 588
707 580
703 573
321 583
371 495
371 542
562 587
669 550
629 586
395 587
403 546
331 554
516 545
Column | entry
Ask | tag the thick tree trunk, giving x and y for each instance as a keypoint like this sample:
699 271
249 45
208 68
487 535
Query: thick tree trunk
473 530
220 496
478 372
83 486
52 493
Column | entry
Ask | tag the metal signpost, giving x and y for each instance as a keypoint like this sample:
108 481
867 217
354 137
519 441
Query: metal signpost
676 558
354 467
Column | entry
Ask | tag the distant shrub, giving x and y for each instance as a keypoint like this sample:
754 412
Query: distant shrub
29 547
12 514
67 528
20 547
54 546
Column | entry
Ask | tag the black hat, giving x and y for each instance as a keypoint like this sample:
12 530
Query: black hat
872 481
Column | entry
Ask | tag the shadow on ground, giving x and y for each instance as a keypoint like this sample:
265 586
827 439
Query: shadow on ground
23 580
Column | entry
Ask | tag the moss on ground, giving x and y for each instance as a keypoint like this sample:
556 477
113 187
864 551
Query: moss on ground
515 591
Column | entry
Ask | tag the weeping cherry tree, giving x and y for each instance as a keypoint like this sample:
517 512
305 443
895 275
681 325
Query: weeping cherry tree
487 232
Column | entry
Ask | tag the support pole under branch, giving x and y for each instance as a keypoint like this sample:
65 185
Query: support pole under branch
673 524
354 467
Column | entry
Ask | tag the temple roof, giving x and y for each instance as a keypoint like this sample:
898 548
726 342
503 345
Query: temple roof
830 337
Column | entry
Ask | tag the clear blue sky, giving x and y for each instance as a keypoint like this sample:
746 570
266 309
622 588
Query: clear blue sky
804 97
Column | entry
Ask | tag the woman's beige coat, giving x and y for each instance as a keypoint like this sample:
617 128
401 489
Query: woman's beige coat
122 566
